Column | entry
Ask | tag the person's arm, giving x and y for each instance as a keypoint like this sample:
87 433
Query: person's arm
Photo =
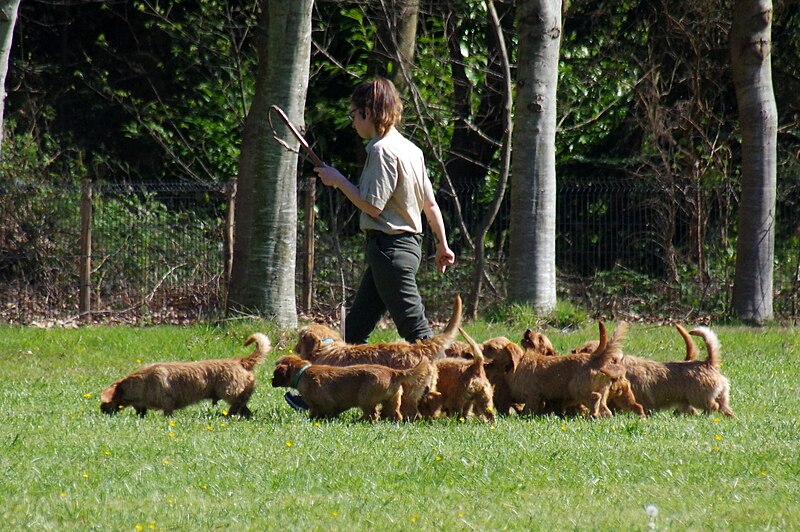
444 255
331 177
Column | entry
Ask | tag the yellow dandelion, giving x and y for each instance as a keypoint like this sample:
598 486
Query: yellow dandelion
461 420
165 462
289 444
564 427
171 434
171 423
209 427
87 395
763 473
718 437
151 526
203 486
170 500
335 514
63 494
138 527
317 424
415 518
438 458
224 412
107 452
716 420
223 425
715 448
460 515
86 475
138 360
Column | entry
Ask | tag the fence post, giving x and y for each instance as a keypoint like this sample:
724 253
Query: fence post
228 234
85 243
308 242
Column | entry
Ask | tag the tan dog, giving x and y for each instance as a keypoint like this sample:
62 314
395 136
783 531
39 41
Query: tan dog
621 397
320 347
684 385
331 390
169 386
540 380
459 350
542 345
462 388
312 337
590 387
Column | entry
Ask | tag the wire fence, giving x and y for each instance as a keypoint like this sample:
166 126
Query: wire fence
159 253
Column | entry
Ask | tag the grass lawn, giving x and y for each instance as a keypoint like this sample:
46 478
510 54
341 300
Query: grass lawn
64 465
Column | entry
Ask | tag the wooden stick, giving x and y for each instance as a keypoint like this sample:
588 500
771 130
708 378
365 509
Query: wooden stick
311 155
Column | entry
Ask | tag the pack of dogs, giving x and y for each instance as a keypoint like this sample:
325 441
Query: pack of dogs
443 377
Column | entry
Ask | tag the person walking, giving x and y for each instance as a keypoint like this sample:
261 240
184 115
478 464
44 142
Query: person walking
392 194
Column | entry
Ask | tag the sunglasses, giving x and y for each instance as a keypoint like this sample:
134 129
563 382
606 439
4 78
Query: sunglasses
351 114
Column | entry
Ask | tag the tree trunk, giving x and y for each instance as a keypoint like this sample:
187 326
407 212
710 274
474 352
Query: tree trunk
396 40
263 277
8 17
532 256
750 45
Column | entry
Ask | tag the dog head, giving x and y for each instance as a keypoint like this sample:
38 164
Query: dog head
538 343
112 398
458 350
286 367
128 391
589 347
312 337
430 406
502 354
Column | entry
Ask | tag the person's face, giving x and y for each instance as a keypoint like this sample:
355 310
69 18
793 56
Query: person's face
362 122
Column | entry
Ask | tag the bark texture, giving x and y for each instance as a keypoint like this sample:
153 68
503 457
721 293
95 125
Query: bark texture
750 47
263 276
532 263
8 18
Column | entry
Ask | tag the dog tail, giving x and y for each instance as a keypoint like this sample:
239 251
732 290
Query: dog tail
444 339
691 349
610 357
602 344
477 353
263 346
712 345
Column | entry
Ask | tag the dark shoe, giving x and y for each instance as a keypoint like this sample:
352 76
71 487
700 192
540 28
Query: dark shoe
295 401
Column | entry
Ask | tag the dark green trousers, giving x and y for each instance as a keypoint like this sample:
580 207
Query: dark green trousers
389 284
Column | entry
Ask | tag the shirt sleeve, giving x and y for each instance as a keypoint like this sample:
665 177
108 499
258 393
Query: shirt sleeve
379 177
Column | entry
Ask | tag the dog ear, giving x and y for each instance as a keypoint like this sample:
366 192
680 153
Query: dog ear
281 376
514 356
527 339
108 394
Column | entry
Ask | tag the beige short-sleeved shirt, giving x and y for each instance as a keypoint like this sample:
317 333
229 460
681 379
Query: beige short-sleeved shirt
395 180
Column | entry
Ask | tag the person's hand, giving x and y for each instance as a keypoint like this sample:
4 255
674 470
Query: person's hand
444 257
330 176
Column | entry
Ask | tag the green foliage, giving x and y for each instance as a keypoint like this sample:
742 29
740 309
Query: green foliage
69 466
565 316
190 102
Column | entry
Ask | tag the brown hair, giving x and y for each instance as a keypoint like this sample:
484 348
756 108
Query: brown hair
381 98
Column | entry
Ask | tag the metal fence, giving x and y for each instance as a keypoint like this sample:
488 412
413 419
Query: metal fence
158 252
